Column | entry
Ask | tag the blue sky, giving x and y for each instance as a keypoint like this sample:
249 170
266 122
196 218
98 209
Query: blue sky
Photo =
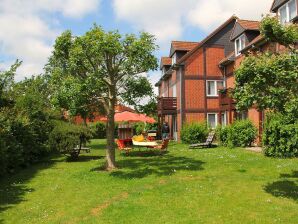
29 27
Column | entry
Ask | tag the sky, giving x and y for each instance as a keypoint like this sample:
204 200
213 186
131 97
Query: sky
30 27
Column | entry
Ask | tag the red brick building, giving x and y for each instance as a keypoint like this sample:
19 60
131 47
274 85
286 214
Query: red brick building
194 72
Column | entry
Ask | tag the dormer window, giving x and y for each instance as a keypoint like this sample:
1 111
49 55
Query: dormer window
239 44
174 58
287 12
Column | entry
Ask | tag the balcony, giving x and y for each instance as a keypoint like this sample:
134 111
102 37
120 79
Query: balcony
226 102
167 106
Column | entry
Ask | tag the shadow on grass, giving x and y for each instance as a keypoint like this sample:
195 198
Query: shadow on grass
13 188
160 166
83 158
287 188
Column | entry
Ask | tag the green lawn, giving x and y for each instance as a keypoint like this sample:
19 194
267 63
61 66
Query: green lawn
183 186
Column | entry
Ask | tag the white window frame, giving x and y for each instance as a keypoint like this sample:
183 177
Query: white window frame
286 5
216 119
216 87
174 58
242 44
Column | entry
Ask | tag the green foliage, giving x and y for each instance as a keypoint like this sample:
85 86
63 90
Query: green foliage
98 130
268 81
105 68
150 109
274 31
66 136
241 133
194 133
25 123
280 137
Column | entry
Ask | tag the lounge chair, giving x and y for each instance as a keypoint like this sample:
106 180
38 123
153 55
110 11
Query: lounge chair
206 144
122 146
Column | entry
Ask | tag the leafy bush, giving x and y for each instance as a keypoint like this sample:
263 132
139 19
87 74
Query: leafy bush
22 140
98 130
66 136
280 137
194 133
222 134
241 133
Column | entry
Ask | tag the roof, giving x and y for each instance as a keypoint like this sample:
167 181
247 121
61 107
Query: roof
249 24
182 46
276 4
164 61
259 39
228 59
181 60
244 25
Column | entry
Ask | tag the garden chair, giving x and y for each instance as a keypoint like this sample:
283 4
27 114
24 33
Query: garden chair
122 146
206 144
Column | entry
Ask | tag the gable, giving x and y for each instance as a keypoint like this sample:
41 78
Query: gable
238 30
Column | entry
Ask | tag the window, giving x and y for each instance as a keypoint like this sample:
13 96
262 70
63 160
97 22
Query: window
239 44
213 87
287 12
224 118
174 91
243 115
212 120
174 57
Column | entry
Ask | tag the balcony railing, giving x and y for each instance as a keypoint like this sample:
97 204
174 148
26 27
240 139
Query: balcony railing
225 99
167 105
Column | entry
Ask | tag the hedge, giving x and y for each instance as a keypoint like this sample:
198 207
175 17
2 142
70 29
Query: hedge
194 132
280 137
241 133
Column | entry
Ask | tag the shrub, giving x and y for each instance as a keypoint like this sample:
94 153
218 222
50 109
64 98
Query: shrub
241 133
222 134
98 130
138 128
194 133
280 137
66 136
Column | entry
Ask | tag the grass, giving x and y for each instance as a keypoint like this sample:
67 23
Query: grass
216 185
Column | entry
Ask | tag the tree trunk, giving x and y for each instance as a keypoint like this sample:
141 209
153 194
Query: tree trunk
110 152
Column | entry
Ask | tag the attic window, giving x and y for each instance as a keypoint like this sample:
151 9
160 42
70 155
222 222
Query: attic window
239 44
287 12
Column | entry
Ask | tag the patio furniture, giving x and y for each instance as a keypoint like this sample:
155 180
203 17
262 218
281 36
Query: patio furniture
122 147
206 144
163 146
144 144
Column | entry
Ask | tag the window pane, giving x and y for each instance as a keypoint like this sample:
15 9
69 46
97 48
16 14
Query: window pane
224 119
174 91
292 9
242 42
237 46
283 14
211 88
212 120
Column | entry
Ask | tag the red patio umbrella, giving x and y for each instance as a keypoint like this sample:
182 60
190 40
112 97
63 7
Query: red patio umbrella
131 117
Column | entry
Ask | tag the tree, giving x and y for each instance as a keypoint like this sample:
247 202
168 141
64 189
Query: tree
6 83
150 108
110 68
269 80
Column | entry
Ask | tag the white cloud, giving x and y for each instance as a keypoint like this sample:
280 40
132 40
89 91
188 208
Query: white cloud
28 29
209 14
166 18
163 18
